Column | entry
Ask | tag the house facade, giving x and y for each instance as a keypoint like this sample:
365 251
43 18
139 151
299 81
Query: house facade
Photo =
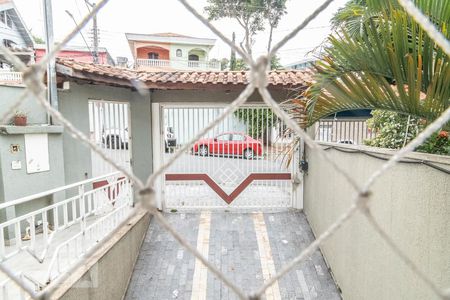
302 64
171 51
78 53
15 36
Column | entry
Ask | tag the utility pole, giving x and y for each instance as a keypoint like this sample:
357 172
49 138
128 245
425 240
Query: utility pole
52 93
94 33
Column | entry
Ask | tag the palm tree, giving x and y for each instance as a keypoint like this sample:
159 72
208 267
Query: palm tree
379 58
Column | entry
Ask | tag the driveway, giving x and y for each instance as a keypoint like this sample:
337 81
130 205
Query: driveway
248 248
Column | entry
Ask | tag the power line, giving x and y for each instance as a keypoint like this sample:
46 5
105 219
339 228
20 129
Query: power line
81 33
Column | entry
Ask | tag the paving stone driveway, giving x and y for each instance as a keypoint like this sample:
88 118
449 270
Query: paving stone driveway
247 247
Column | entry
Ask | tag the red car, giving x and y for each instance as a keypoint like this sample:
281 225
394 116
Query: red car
229 143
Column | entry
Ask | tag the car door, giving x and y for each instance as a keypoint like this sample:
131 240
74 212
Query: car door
237 144
221 143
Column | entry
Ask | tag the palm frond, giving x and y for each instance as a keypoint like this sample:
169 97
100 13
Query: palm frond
393 66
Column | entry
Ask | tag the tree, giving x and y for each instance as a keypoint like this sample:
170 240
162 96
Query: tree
259 121
251 16
394 130
246 12
273 11
233 53
392 64
275 63
38 40
224 63
241 65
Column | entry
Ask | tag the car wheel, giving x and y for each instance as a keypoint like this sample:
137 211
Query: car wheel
249 154
203 150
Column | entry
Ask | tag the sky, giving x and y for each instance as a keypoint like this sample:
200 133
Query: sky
152 16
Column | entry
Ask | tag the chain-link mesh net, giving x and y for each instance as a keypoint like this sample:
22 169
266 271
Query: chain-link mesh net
257 82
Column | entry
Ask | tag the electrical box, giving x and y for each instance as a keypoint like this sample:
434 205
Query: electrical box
36 153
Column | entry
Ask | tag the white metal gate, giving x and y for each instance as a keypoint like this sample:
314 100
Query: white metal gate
110 129
242 162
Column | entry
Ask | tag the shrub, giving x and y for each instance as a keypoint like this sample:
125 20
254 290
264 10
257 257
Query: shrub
393 132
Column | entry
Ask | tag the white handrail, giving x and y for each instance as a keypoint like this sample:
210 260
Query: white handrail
179 64
55 190
10 76
65 213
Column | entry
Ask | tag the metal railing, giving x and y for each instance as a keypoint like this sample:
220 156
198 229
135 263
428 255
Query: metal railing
343 131
178 64
109 197
70 251
11 77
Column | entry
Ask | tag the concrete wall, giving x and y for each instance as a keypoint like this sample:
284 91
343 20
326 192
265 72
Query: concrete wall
18 183
73 104
106 273
9 94
15 184
411 202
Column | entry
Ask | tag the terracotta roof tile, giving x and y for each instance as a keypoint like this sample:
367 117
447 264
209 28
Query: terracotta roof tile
164 77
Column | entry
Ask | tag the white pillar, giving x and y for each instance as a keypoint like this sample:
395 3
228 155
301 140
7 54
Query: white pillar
157 134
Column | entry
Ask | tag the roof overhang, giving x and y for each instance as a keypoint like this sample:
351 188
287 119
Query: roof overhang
87 73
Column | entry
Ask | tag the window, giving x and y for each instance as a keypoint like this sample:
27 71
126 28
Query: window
179 53
223 137
6 19
9 21
238 137
153 55
8 43
193 57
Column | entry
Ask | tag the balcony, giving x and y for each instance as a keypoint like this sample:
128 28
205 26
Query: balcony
8 77
143 64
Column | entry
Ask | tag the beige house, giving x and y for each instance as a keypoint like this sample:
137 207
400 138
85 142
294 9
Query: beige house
171 51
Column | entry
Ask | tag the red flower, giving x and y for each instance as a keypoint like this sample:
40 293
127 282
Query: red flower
443 134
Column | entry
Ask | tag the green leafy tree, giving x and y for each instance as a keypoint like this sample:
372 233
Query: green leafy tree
224 62
252 16
259 121
241 65
38 40
273 10
380 58
246 12
394 130
275 63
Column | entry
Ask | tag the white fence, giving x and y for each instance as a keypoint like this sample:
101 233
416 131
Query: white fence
11 77
49 234
179 64
344 131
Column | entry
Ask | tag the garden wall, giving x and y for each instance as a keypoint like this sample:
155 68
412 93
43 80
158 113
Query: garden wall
412 204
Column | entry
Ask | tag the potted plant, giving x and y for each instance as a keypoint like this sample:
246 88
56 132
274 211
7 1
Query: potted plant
20 118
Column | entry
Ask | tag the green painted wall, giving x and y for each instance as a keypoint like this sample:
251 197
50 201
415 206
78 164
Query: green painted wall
17 183
73 104
9 94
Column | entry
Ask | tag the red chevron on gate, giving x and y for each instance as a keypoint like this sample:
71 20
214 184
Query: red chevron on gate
239 189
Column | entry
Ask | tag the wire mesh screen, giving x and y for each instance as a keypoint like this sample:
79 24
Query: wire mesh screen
361 194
